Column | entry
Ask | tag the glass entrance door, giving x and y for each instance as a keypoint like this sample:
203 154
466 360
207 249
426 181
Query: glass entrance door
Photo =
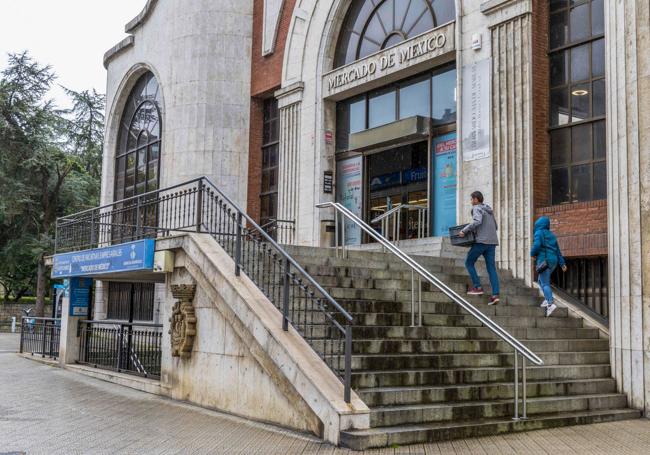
398 176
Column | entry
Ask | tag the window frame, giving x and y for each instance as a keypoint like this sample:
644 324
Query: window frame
568 85
273 143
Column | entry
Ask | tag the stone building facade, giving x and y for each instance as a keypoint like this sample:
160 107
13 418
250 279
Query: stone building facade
288 103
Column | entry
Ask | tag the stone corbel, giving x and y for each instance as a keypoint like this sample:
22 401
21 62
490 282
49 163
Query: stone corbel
183 320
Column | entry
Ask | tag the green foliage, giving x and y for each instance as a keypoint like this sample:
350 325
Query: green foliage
50 165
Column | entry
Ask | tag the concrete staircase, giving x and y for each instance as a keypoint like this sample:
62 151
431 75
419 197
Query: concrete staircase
452 377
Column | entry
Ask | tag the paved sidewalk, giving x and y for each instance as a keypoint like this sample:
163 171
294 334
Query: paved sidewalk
46 410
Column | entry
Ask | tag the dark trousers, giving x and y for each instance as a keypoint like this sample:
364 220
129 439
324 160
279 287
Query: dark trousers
488 252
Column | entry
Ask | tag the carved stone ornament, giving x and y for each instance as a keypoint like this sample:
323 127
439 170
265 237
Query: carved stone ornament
183 320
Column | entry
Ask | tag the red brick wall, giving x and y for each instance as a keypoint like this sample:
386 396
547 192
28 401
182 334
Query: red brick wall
266 77
581 228
541 162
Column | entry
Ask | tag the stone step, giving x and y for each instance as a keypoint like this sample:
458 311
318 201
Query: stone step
428 347
453 376
474 410
437 320
415 334
411 434
382 362
390 396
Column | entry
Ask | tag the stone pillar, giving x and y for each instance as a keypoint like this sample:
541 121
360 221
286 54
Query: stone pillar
627 32
289 103
69 341
512 123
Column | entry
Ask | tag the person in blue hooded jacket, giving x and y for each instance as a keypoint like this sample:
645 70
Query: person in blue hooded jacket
548 257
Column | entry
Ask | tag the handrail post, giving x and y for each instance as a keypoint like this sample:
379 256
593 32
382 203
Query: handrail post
285 295
343 251
238 245
348 363
22 333
523 380
337 232
412 298
199 207
43 343
516 417
93 237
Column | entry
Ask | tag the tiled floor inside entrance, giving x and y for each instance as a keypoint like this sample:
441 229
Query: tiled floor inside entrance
47 410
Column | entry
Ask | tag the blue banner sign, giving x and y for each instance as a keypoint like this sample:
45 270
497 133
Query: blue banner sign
444 184
126 257
78 290
418 174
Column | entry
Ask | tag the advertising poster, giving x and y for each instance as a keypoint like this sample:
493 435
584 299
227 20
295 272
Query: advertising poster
79 293
444 184
476 110
349 182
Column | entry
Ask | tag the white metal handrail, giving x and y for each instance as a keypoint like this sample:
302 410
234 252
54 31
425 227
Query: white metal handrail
519 347
395 215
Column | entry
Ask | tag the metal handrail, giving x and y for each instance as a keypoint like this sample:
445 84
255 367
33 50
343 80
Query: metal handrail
395 209
519 347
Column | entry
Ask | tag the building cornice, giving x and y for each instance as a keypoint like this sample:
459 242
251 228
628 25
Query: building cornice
500 11
141 18
118 49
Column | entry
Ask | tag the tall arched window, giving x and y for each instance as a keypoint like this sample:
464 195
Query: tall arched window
372 25
137 168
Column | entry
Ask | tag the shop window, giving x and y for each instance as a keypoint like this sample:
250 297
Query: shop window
432 94
270 150
577 101
373 25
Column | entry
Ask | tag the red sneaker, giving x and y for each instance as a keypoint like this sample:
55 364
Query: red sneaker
494 300
475 291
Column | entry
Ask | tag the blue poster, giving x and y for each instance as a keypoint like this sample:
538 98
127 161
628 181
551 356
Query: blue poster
126 257
349 182
78 290
444 184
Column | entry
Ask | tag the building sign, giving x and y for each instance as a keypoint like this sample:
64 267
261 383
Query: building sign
78 291
127 257
394 59
349 182
418 174
444 184
476 110
328 182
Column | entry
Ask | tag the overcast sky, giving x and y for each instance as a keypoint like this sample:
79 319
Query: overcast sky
70 35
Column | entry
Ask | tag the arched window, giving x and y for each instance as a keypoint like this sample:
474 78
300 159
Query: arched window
138 147
372 25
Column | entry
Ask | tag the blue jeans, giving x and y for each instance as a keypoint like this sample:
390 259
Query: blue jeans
488 252
544 280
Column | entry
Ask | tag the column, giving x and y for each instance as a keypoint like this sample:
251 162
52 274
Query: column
627 28
512 123
289 103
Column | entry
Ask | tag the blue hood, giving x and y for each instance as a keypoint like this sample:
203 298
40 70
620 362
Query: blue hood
543 223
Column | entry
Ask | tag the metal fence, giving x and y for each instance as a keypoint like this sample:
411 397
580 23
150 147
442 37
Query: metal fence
40 336
132 348
586 279
199 206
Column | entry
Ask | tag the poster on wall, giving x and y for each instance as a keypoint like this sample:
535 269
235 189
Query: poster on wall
444 184
349 182
475 107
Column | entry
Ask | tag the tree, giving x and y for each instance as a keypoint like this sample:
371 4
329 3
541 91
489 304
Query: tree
49 167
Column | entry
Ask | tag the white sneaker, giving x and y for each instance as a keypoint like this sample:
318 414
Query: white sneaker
550 309
544 304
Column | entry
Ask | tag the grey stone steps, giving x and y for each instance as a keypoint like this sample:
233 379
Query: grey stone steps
411 434
474 410
469 360
454 376
389 396
427 333
428 347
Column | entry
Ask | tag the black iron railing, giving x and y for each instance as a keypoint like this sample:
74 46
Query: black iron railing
133 348
40 336
199 206
586 279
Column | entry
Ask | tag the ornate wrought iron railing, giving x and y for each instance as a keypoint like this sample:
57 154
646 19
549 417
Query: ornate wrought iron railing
40 336
199 206
133 348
